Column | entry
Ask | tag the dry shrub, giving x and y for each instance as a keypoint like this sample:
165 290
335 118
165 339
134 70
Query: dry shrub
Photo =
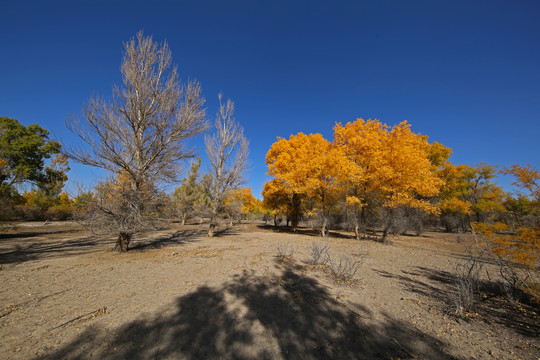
344 268
318 254
59 212
517 255
285 251
27 212
467 279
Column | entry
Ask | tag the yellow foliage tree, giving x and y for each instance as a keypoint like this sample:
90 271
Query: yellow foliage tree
526 178
277 200
518 254
391 166
518 251
304 166
240 203
469 193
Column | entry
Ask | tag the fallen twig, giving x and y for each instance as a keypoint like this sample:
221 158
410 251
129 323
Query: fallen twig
99 311
403 349
8 310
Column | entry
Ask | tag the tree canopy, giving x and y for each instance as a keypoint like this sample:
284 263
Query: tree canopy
23 150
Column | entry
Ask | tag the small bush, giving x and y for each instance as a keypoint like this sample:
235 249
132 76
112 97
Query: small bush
344 268
27 212
59 212
466 282
318 254
285 251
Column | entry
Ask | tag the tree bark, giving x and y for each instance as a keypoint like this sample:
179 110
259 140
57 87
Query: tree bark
122 243
385 233
211 229
356 231
295 212
324 232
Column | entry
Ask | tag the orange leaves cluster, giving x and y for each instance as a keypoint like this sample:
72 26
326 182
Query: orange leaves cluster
526 177
392 163
366 158
304 163
468 189
520 251
243 196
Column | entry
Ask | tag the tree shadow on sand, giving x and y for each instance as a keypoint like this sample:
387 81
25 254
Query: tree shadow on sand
307 231
178 238
284 316
489 302
38 248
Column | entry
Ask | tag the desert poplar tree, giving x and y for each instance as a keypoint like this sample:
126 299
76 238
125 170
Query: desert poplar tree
139 134
228 151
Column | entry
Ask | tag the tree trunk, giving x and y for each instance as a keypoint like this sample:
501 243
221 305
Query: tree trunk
122 242
388 223
385 233
211 229
295 212
324 232
363 223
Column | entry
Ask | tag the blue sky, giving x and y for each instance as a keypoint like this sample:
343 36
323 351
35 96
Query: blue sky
465 73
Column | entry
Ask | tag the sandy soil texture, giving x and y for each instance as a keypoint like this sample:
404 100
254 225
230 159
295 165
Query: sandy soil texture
180 295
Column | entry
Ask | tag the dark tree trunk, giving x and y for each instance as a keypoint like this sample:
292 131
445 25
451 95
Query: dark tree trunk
122 243
385 234
211 229
388 223
295 211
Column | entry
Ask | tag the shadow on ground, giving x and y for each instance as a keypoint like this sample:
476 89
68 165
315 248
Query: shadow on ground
304 231
490 304
41 248
42 245
178 238
286 316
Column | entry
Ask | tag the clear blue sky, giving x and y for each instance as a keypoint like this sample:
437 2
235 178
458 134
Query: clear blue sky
465 73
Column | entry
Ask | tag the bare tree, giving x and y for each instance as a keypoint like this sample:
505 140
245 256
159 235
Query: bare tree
140 133
228 151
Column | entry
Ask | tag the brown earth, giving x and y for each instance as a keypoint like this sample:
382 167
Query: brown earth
181 295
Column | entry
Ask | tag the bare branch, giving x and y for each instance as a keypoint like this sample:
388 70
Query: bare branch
228 152
140 132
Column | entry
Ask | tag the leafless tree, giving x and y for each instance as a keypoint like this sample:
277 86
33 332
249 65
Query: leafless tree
228 151
140 132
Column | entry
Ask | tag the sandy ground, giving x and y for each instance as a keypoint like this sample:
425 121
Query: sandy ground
180 295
